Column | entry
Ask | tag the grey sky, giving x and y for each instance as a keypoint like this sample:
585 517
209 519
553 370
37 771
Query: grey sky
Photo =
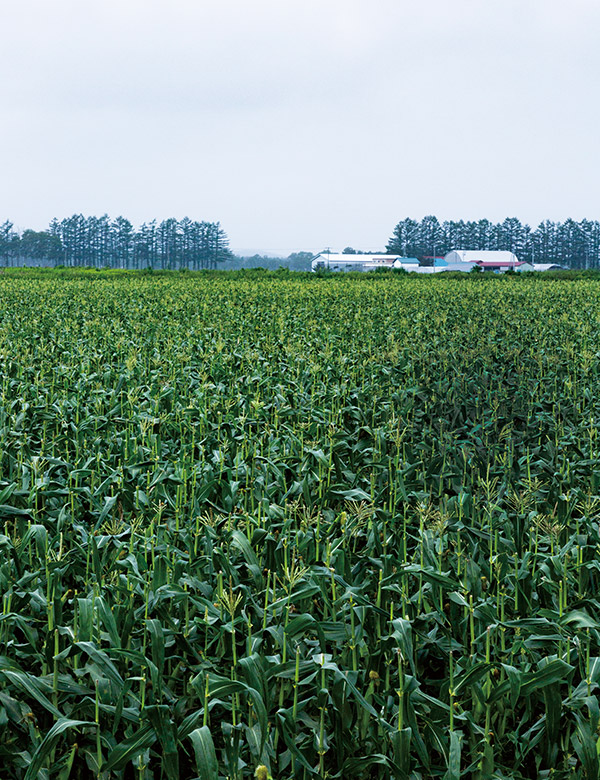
300 123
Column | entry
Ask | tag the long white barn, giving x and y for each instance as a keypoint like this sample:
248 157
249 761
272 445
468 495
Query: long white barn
334 261
483 256
498 261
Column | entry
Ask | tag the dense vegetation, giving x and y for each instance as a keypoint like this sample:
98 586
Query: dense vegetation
101 242
338 527
569 243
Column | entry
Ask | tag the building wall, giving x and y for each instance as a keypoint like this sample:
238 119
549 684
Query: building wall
476 256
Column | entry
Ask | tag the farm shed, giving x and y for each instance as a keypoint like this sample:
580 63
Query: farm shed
488 260
546 267
463 267
408 263
500 267
330 261
480 256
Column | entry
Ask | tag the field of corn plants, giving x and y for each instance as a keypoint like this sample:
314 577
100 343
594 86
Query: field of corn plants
306 528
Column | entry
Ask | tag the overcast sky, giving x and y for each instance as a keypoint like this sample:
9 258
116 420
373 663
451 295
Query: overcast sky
300 124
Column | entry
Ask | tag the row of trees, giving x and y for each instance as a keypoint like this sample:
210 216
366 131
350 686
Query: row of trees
174 244
102 242
570 243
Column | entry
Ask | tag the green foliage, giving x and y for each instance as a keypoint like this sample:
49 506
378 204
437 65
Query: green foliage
105 243
569 243
298 526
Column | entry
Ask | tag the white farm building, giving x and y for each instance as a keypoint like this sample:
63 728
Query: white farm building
477 256
333 261
548 267
497 261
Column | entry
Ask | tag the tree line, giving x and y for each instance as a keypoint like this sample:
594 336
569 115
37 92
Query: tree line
570 243
102 242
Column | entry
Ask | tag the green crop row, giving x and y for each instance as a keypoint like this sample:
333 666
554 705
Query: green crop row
338 528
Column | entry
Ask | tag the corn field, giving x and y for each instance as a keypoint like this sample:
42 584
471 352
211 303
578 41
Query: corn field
305 528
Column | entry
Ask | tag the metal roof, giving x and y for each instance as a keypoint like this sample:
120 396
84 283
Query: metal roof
479 256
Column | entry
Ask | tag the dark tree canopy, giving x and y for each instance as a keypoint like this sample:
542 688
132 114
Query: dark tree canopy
570 243
104 243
